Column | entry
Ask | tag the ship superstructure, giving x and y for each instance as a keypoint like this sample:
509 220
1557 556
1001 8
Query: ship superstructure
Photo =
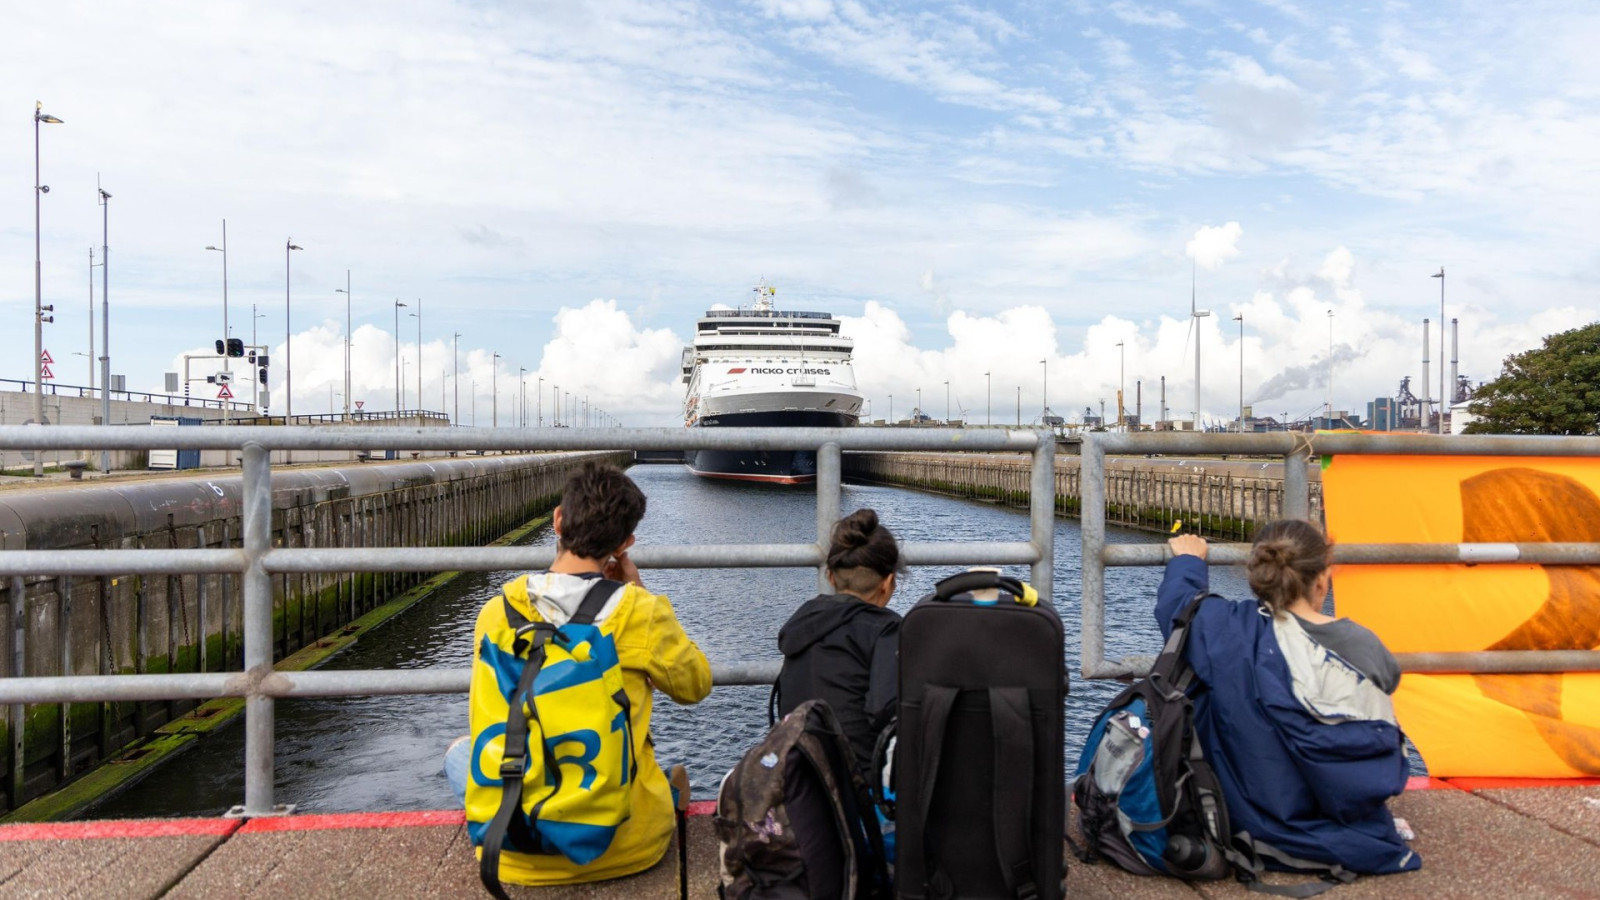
759 366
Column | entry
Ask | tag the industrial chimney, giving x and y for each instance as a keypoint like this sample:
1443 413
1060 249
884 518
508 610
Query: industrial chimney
1455 357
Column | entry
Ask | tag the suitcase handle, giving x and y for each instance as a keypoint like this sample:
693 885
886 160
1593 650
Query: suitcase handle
967 582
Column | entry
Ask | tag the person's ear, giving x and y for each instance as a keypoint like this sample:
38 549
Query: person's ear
555 521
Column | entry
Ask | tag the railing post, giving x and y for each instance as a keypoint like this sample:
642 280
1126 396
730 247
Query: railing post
1092 523
1296 483
19 626
829 467
259 725
1042 515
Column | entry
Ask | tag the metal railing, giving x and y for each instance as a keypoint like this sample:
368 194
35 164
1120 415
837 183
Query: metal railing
1297 451
256 561
52 389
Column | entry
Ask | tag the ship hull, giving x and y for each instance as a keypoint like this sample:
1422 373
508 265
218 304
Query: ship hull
767 466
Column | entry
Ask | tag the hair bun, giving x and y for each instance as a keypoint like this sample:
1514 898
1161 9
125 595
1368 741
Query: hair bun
856 529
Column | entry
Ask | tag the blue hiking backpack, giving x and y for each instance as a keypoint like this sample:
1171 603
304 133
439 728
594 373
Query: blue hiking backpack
1149 801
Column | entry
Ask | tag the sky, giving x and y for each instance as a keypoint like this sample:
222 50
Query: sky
991 196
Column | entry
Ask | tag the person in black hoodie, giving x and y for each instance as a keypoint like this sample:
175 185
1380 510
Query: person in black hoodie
842 647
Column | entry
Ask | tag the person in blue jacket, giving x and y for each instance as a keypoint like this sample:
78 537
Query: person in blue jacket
1292 706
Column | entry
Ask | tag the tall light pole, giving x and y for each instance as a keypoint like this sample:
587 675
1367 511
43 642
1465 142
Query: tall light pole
346 292
1444 403
226 335
1240 319
538 402
455 377
988 402
891 410
920 413
522 399
947 403
288 334
1327 409
474 403
418 314
1045 392
494 391
91 321
1019 406
555 405
105 320
397 305
1122 378
38 287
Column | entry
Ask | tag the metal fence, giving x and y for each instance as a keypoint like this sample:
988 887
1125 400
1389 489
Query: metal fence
1298 451
256 561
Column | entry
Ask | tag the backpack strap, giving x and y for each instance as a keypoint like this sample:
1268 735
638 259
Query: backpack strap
1013 788
530 637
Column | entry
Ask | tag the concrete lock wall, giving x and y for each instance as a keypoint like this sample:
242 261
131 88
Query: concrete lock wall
1225 499
64 625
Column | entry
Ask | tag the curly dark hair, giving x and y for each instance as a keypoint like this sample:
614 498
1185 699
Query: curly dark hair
600 508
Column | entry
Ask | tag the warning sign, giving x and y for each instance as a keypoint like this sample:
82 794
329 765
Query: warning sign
45 358
44 372
360 403
224 394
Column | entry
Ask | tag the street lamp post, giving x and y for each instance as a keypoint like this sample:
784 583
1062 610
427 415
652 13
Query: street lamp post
474 403
455 375
988 401
105 320
522 398
1045 381
226 334
555 405
90 354
346 292
418 314
538 402
917 419
38 286
494 391
1019 406
1444 403
397 305
891 410
947 403
1240 319
288 334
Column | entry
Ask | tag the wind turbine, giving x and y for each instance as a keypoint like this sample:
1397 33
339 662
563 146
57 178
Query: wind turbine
1194 316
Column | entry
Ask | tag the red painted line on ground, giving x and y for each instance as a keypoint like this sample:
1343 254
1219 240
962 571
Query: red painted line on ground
703 808
117 828
1486 784
422 819
1425 783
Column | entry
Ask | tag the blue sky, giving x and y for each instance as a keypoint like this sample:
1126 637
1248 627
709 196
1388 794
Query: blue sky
974 187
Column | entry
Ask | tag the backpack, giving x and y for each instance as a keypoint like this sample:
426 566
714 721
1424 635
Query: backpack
565 697
794 817
1149 801
979 772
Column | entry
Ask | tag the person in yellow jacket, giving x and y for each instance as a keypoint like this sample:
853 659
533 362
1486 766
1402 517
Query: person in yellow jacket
600 507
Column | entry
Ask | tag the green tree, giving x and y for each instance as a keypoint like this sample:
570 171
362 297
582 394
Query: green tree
1554 389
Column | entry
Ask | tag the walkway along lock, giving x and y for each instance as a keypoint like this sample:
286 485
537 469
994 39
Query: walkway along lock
256 561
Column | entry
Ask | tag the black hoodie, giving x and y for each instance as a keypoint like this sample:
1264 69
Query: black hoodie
842 649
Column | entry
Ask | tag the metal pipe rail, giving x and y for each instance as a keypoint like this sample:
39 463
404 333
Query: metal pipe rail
256 562
1297 451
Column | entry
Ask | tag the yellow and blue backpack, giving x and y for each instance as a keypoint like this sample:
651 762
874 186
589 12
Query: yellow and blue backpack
554 777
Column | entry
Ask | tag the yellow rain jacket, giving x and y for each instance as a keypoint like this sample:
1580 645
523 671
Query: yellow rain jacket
653 652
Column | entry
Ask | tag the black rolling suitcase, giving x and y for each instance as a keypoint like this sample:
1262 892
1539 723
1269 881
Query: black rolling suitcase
980 785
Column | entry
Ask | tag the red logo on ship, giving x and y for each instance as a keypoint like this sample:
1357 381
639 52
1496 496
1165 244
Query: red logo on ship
736 371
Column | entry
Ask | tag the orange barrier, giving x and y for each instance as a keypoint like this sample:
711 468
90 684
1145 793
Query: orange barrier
1526 726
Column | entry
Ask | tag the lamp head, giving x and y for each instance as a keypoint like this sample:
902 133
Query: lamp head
209 247
294 246
104 195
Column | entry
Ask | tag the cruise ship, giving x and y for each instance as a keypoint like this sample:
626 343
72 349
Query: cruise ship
770 368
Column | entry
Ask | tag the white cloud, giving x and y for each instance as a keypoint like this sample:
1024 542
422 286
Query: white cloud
1214 245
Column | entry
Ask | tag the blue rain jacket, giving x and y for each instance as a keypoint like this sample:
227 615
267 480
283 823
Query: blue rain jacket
1314 789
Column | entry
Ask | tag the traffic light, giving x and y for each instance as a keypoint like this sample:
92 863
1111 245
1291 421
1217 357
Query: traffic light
252 356
236 346
261 375
221 349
